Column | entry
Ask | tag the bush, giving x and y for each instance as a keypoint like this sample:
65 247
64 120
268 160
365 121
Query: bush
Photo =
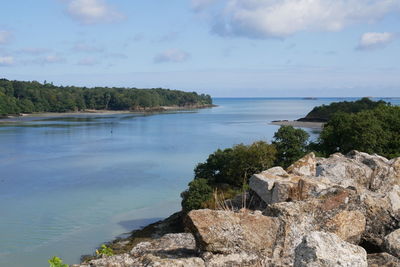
234 166
198 193
57 262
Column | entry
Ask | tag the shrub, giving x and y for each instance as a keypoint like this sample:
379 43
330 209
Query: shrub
57 262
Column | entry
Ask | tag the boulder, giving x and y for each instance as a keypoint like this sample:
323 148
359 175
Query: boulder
359 169
344 171
335 212
168 251
382 260
227 232
319 249
306 166
275 185
392 243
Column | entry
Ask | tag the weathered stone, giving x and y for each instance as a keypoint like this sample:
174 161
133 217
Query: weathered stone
359 169
381 219
305 166
122 260
235 259
227 232
348 225
275 185
319 249
344 171
335 212
382 260
392 243
168 251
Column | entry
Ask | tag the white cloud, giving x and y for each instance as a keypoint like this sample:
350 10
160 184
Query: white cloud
6 61
281 18
5 37
92 11
372 40
171 55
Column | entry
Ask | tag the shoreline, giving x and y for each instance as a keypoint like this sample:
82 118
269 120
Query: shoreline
95 112
301 124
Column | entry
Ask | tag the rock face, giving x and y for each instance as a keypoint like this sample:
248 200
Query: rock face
323 249
226 232
319 212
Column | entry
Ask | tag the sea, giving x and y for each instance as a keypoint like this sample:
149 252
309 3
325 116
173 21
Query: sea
70 183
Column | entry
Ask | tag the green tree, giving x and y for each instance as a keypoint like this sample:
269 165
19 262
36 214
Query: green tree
198 193
371 131
291 145
234 166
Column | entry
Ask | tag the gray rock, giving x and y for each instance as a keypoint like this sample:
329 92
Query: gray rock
275 185
392 243
319 249
305 166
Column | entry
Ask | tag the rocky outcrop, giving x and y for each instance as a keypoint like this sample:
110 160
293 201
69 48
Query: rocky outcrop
323 249
319 212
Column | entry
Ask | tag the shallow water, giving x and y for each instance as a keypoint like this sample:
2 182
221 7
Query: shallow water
68 184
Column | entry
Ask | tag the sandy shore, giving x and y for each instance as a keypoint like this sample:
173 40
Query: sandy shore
302 124
94 112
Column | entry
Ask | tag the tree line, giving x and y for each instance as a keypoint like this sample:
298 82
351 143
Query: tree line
26 97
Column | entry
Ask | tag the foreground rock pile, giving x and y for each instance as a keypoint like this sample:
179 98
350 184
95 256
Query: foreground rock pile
336 211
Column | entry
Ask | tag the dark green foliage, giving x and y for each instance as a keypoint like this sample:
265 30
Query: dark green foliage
325 112
234 166
371 131
198 193
291 144
228 170
26 97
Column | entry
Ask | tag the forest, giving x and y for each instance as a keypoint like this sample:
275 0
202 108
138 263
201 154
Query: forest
325 112
27 97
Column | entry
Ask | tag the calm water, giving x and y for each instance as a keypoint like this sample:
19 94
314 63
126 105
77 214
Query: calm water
69 184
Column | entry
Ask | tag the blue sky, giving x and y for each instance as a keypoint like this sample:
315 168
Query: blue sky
230 48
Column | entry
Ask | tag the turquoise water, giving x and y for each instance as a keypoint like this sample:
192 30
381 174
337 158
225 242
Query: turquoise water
68 184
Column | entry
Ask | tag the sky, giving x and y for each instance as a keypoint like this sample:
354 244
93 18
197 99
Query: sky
226 48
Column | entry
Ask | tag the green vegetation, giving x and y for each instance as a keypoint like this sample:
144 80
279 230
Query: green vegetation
104 250
57 262
291 144
325 112
371 131
227 171
27 97
197 195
